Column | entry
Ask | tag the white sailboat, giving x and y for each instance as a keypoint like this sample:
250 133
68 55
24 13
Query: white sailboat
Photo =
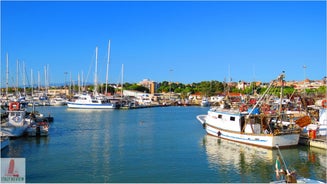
87 101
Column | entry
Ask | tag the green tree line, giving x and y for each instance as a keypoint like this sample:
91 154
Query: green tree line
205 88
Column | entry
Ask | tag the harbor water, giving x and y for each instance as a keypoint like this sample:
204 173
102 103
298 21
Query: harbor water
162 144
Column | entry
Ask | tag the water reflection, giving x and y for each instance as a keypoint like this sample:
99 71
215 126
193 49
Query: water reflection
255 164
312 163
249 163
15 148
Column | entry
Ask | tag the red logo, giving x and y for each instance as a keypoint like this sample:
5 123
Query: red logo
11 169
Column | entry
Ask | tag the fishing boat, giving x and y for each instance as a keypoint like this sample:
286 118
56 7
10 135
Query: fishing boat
259 125
16 123
86 101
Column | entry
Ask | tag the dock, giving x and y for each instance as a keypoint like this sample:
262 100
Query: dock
318 142
140 107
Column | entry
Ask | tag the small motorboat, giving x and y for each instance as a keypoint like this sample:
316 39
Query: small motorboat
38 129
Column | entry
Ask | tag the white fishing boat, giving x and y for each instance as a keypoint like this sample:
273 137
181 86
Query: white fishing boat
86 101
16 124
254 126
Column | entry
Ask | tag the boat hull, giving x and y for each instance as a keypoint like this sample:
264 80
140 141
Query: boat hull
34 132
90 106
262 140
4 142
13 131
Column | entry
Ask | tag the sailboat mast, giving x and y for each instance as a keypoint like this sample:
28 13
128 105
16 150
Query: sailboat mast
7 74
83 81
32 85
122 79
96 71
38 81
70 91
24 78
45 79
107 76
79 83
17 76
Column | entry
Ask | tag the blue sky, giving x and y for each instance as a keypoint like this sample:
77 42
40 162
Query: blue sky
180 41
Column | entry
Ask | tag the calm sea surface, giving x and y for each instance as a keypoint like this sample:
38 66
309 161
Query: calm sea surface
163 144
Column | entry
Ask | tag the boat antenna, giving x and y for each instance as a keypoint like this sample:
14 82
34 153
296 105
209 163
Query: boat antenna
281 156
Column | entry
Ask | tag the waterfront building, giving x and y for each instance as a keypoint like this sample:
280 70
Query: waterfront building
56 92
151 85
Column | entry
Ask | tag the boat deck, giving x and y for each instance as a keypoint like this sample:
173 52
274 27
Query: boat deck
201 118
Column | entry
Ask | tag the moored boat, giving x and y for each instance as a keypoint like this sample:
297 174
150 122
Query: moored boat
315 133
205 102
16 124
38 129
254 126
58 101
86 101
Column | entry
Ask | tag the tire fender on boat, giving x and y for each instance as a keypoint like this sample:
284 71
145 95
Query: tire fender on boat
219 133
204 125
